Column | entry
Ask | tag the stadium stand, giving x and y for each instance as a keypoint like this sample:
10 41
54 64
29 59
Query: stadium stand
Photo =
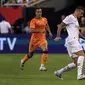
12 3
3 2
56 4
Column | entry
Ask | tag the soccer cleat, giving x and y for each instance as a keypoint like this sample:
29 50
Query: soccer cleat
21 65
81 77
59 76
43 68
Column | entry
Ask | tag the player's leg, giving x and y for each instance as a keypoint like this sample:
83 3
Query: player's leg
29 55
44 48
77 49
80 62
26 57
68 67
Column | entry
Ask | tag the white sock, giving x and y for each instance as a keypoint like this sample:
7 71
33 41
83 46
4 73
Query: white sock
67 68
22 61
80 62
42 65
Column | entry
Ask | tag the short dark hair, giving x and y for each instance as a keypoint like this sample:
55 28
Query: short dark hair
38 8
80 8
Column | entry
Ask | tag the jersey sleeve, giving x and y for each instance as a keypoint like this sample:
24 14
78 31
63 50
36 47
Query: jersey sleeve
32 24
67 20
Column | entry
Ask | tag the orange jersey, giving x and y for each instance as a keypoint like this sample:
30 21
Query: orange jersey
38 24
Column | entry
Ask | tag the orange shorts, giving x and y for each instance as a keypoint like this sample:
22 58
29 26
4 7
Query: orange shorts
35 44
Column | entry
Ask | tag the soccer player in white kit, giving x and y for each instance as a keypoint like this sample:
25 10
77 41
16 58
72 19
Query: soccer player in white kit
72 44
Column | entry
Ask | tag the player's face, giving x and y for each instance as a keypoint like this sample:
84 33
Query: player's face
39 13
80 13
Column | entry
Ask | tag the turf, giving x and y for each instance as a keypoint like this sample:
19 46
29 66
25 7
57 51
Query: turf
10 73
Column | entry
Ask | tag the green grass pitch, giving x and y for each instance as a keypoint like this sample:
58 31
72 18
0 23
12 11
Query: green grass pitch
10 73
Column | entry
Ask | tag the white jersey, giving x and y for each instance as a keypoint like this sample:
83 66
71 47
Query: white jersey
72 41
72 27
4 27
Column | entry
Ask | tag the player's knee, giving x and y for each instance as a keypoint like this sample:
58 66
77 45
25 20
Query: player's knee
80 53
30 55
46 51
75 60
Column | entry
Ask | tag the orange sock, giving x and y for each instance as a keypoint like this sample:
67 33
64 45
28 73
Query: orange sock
44 58
25 58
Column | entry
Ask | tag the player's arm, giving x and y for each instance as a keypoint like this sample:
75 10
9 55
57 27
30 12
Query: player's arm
49 31
63 24
60 27
81 36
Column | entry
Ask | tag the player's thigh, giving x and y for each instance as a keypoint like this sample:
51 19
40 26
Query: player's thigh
72 55
44 46
69 50
32 47
76 47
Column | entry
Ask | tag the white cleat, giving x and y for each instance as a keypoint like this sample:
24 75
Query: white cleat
81 77
21 65
59 76
43 68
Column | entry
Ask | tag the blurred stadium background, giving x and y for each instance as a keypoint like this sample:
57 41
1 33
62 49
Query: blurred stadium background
14 46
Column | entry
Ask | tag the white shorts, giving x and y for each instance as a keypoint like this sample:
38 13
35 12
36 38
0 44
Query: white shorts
73 47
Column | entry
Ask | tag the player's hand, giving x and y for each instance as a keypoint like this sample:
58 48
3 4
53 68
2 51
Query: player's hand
57 38
50 35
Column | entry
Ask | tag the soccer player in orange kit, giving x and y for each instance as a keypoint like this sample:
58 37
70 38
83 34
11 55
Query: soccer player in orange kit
38 27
